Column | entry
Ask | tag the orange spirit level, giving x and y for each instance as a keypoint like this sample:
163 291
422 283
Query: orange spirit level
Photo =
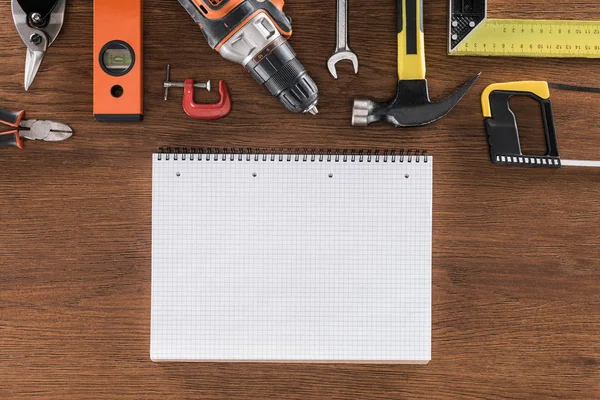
118 82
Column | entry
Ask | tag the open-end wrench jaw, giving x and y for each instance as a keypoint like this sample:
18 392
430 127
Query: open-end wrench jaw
411 107
339 56
342 50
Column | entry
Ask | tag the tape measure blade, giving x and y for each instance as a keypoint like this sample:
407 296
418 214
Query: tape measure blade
580 163
532 38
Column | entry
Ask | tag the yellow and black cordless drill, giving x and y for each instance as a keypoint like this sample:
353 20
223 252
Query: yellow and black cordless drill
254 33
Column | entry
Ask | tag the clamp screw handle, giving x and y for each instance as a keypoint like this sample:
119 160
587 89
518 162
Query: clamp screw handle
168 84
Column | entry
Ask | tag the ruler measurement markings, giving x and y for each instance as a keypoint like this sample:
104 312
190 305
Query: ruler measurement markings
535 38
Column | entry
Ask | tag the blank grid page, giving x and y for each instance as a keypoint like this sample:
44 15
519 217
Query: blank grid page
291 260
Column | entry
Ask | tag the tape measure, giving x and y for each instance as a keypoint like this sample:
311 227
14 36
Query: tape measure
473 34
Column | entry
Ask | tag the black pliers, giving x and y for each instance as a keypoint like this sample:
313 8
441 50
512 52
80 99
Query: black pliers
32 129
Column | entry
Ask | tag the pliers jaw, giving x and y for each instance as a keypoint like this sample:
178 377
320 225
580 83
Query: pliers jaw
48 131
38 24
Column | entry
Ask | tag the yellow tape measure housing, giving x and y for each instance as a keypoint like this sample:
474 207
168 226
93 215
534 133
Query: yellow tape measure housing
532 38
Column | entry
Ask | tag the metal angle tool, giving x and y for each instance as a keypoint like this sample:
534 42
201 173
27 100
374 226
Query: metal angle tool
38 24
472 33
503 131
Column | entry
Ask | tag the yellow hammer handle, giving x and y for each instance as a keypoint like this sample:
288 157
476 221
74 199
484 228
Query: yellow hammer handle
411 40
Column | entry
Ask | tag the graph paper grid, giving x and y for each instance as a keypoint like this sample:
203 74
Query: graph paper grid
291 260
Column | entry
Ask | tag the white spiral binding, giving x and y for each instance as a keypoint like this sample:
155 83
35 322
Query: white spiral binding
198 154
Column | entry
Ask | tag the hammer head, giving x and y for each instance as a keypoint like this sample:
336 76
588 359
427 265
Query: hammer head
410 107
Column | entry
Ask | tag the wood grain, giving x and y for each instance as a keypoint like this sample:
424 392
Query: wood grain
516 299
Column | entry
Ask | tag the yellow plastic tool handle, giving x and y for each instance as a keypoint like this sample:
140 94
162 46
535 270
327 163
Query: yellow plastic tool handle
411 40
539 88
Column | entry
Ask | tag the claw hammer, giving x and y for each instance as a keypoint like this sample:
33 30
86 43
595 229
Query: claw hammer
411 106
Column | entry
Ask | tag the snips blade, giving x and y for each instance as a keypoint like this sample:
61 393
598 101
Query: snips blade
33 60
37 30
48 131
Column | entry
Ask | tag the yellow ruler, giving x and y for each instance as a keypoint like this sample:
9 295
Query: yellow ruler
473 34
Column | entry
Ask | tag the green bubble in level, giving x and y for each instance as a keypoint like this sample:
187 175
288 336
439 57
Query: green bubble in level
117 59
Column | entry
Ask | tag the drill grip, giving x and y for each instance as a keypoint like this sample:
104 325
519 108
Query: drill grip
218 23
411 40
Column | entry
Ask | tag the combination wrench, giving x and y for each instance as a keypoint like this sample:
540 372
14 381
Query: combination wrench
342 52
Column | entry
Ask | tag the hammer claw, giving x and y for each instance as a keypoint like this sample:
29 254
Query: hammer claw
411 107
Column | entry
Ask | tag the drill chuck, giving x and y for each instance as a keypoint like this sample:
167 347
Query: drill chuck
283 75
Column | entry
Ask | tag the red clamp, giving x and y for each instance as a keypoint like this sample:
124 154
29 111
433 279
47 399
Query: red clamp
205 111
195 110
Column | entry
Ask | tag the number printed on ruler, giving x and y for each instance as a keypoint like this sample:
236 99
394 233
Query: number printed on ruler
530 38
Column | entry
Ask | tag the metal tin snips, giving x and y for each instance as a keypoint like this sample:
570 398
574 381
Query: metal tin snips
38 22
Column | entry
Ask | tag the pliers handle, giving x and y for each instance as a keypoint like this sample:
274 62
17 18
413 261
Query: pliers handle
13 119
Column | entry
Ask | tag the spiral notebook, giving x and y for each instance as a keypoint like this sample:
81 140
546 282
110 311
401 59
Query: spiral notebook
291 257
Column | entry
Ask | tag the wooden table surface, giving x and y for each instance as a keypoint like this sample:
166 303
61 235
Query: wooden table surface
516 270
